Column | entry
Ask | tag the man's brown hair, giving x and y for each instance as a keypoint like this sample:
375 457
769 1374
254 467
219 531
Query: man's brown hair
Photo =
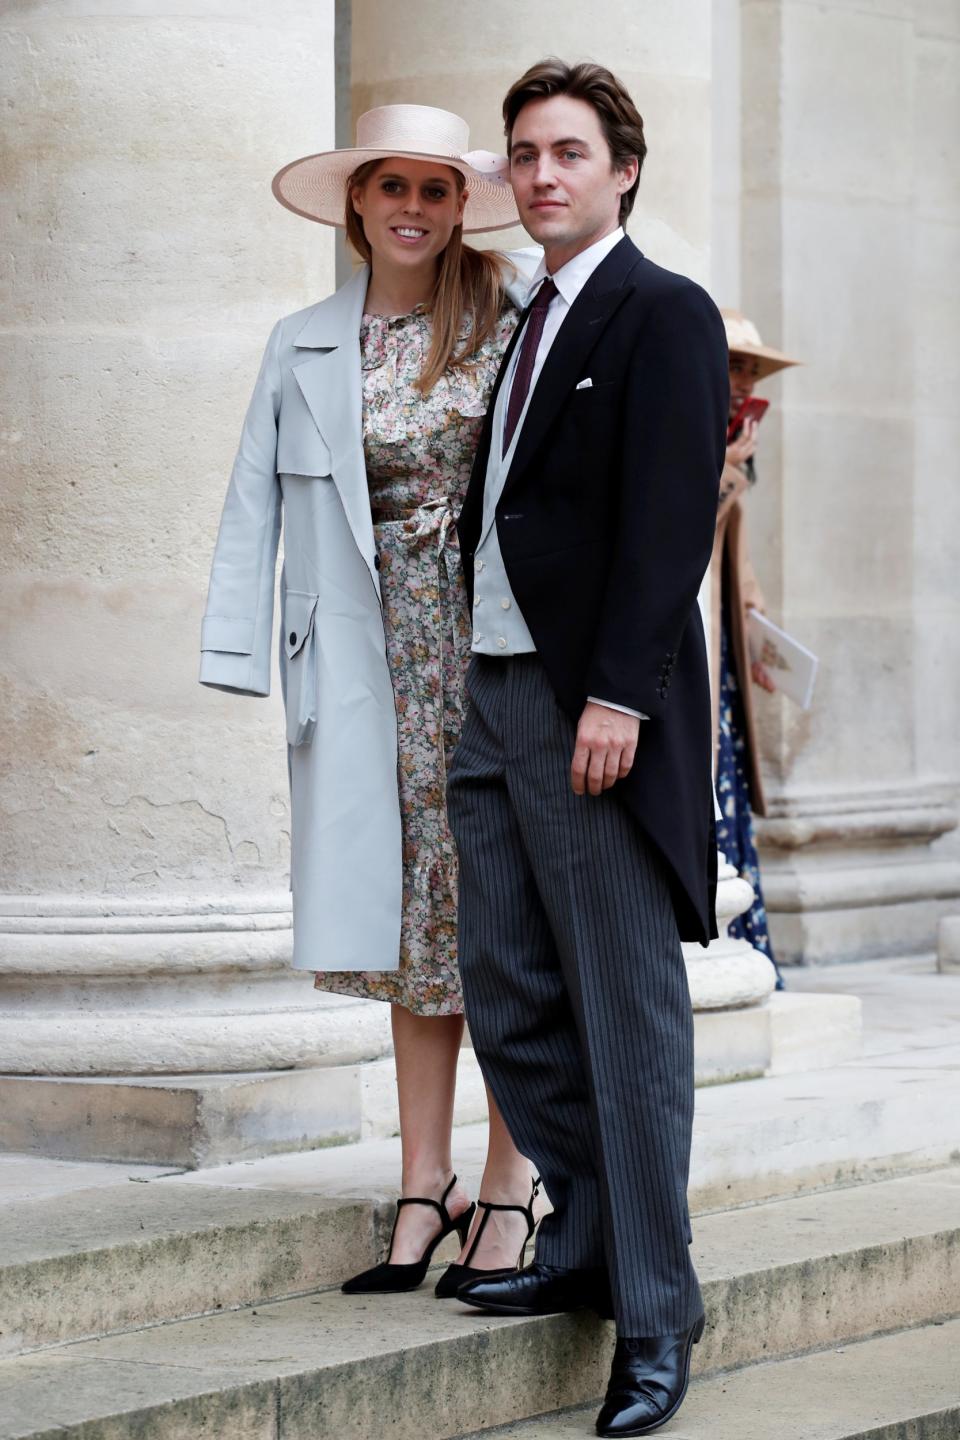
619 118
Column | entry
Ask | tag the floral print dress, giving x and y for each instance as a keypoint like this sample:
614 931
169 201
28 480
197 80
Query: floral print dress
419 451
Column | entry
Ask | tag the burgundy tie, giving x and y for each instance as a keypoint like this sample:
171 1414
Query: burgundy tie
529 345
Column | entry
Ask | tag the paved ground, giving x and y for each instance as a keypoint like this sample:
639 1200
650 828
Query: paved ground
907 1004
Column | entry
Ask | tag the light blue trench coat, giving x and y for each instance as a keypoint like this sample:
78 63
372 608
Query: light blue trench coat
300 463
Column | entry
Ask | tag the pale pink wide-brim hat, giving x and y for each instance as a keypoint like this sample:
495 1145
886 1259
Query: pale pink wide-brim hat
316 186
743 338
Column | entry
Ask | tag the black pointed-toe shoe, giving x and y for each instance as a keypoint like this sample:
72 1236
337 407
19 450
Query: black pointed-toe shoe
648 1381
387 1279
456 1275
539 1290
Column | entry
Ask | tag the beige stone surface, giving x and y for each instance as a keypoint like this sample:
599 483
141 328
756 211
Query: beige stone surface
465 60
149 261
90 1262
893 1110
847 243
883 1254
948 944
882 1389
29 1177
179 1120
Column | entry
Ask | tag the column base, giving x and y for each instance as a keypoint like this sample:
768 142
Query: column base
168 986
855 877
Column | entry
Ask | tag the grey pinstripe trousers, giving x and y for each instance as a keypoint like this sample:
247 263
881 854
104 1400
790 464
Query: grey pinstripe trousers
576 996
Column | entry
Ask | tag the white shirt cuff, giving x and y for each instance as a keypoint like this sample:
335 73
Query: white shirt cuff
624 709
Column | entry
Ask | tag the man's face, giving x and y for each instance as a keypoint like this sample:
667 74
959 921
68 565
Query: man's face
744 373
566 186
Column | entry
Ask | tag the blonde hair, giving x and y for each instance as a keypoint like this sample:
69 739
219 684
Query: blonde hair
470 284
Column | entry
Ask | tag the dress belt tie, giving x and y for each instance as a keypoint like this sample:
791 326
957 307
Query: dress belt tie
419 525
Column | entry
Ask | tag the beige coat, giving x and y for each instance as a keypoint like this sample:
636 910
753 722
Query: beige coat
731 549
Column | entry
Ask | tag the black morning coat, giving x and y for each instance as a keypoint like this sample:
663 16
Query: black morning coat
606 526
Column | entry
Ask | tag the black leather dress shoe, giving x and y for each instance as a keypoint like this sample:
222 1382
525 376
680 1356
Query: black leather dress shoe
648 1381
539 1290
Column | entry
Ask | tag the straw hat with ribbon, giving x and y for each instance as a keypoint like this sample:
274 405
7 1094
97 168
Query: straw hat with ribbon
743 338
316 186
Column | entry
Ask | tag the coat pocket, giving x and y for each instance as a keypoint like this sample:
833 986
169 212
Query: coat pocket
300 671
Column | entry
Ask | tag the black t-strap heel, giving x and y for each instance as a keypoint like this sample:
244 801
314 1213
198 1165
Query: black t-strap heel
388 1279
456 1275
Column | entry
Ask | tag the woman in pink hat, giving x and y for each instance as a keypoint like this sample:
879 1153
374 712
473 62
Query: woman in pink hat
358 443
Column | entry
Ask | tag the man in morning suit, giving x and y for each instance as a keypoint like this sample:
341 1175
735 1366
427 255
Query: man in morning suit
580 793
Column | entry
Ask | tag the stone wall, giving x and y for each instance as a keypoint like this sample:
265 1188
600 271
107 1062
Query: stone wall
845 246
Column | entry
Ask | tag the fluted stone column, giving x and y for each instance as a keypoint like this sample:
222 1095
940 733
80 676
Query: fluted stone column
849 244
144 841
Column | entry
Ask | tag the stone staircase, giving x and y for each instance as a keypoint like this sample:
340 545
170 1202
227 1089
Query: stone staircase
143 1304
828 1270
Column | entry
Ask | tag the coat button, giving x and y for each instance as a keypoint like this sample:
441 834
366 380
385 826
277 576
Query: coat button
293 637
663 692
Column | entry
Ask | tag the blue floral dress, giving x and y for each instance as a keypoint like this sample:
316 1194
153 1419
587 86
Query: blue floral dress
735 831
419 453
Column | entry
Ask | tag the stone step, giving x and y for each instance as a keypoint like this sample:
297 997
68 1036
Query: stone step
895 1387
752 1140
138 1255
92 1262
778 1278
199 1120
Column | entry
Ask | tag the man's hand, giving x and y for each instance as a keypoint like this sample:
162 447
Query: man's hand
605 748
742 449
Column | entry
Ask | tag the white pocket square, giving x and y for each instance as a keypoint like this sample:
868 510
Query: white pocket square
585 384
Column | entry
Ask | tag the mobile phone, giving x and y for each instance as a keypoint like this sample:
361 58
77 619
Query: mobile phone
752 409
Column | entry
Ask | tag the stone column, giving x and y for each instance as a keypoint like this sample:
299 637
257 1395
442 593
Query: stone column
849 255
145 832
463 58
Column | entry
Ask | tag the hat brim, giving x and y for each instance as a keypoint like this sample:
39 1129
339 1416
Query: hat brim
769 361
316 187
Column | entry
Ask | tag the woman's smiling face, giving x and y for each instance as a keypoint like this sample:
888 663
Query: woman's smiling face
409 209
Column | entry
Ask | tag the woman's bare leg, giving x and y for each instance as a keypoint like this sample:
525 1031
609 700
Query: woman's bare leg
506 1181
427 1048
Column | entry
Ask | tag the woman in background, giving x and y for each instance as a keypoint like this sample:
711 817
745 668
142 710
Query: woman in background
735 591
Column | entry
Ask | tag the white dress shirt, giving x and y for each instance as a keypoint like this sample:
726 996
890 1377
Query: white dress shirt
569 280
493 597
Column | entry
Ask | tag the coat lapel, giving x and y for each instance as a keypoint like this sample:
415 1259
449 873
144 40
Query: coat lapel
522 266
582 328
330 379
